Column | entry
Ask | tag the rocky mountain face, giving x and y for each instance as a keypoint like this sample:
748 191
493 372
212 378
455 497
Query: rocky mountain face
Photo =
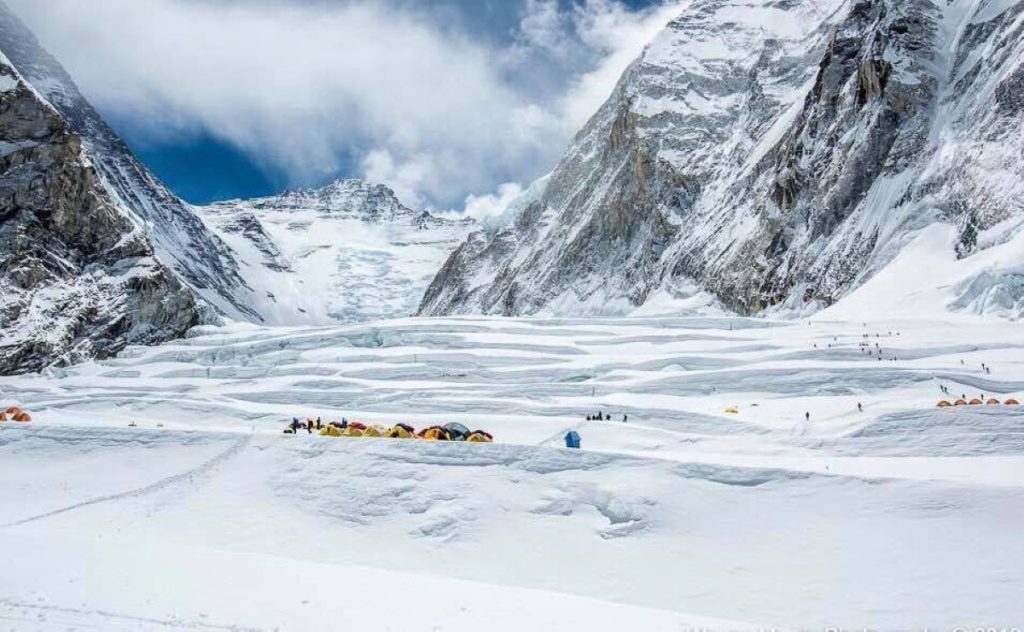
775 154
78 277
178 237
350 251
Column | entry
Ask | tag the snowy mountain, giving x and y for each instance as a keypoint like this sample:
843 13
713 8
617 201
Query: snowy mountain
775 155
78 276
178 237
96 253
348 252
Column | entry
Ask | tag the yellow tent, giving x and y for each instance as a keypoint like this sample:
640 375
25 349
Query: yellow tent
732 410
944 404
374 431
480 437
401 431
352 431
960 402
331 431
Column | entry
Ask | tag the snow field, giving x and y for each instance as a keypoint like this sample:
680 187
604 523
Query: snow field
903 515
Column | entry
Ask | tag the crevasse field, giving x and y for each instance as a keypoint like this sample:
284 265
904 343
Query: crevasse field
204 516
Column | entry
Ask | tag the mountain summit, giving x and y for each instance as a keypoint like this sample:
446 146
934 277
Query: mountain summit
346 252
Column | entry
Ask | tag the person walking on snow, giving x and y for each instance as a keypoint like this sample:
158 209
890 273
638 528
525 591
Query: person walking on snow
859 407
807 416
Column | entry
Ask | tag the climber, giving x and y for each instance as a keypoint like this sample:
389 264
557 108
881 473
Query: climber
859 407
319 424
807 416
625 419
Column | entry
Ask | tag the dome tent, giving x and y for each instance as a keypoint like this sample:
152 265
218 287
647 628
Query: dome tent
401 431
457 432
479 436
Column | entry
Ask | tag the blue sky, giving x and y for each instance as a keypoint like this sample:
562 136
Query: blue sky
453 103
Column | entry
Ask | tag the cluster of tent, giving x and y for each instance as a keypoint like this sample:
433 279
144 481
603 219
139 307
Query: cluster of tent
15 414
448 432
977 402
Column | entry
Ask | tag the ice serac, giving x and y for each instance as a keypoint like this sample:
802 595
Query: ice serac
777 154
178 237
350 251
78 277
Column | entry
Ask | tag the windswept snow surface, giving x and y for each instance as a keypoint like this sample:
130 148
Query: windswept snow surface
205 517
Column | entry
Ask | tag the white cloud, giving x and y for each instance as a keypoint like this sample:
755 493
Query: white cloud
484 207
314 89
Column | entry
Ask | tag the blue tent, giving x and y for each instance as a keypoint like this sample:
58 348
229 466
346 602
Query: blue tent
572 440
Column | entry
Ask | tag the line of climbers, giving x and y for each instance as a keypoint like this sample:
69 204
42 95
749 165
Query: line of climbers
14 413
346 428
600 416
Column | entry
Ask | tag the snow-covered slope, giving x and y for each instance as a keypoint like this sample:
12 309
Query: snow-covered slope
347 252
178 237
218 521
776 154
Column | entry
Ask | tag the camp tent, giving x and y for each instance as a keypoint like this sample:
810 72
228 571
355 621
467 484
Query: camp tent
374 431
479 436
434 433
13 410
3 416
976 402
944 404
330 431
23 418
401 431
732 410
960 402
993 402
456 432
572 440
1011 402
353 430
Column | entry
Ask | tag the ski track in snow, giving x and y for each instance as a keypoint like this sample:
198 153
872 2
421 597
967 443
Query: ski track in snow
759 517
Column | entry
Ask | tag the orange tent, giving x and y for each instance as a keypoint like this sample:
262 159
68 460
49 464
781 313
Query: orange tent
22 418
993 402
3 416
1011 402
960 402
13 410
944 404
976 402
434 433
